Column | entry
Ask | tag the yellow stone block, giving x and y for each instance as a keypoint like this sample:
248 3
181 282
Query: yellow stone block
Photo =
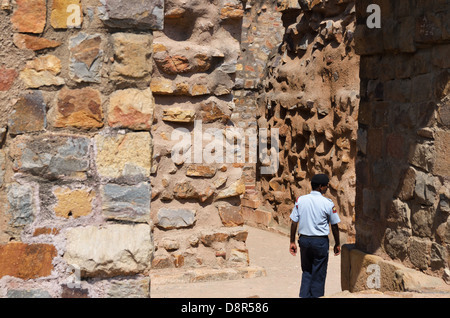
75 203
124 155
66 14
179 115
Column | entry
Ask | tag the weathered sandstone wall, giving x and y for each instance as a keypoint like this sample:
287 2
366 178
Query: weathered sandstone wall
94 97
403 166
310 92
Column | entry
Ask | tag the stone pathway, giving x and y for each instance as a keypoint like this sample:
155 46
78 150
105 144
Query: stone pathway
269 251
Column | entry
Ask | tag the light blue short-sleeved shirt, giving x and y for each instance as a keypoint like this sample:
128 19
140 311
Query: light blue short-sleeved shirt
314 213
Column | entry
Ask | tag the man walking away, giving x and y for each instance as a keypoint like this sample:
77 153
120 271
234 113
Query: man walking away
312 214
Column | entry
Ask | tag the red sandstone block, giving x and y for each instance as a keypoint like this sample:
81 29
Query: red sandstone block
7 77
30 16
254 204
26 261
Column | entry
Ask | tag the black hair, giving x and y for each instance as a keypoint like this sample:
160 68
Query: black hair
315 186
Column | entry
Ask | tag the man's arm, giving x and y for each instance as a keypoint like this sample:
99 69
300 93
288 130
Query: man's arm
337 242
292 245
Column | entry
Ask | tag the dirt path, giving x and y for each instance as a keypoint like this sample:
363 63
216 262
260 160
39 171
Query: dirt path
270 251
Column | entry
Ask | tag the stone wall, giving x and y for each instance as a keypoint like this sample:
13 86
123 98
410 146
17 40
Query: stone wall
196 198
403 167
95 98
310 92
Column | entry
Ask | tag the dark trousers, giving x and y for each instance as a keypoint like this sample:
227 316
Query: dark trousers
314 260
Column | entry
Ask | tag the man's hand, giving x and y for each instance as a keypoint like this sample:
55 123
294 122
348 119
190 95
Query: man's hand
337 242
293 249
293 246
337 250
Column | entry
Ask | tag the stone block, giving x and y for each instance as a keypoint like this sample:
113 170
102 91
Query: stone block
85 57
422 221
109 251
132 56
422 156
210 112
73 202
231 215
396 241
35 43
425 189
169 218
162 86
258 217
30 16
407 185
235 189
176 64
33 293
419 252
398 90
395 145
444 113
68 292
51 156
178 115
126 203
21 204
375 142
406 35
187 190
130 288
42 71
239 257
45 231
201 171
361 271
232 11
131 108
209 237
442 146
428 28
135 14
77 108
66 14
28 114
7 78
125 156
26 261
368 41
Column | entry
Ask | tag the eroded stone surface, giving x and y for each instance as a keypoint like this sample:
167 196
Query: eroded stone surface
131 108
85 57
42 71
126 203
28 114
128 156
51 156
169 218
132 56
73 202
111 250
79 108
26 261
35 43
30 16
147 15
